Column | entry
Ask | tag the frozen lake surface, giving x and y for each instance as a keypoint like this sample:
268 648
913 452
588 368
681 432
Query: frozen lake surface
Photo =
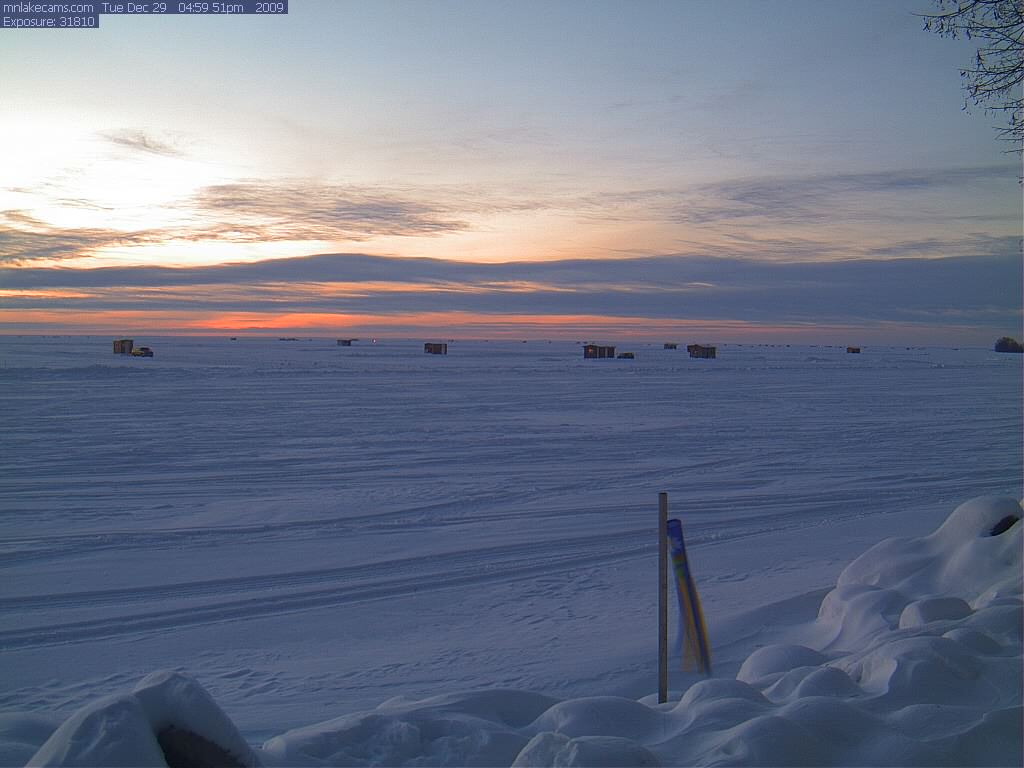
311 529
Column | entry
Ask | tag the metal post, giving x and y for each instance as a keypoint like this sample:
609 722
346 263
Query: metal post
662 598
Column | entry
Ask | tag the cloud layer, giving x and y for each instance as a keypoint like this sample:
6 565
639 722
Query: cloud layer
883 248
980 292
787 218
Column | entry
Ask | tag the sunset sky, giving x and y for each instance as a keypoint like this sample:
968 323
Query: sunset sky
773 169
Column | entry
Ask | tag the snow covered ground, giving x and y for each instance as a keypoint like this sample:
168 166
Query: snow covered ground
311 531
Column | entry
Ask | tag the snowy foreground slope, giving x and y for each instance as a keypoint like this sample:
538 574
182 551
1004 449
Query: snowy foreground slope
914 659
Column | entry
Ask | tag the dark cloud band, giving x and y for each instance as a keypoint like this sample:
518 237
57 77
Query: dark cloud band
982 290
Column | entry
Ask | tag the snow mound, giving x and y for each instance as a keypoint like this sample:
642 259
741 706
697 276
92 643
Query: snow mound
476 728
21 735
914 659
958 570
167 719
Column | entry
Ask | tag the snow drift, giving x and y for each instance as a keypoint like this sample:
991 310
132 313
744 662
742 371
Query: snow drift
914 659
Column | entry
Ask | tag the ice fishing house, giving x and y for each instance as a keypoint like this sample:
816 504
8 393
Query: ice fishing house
701 351
594 352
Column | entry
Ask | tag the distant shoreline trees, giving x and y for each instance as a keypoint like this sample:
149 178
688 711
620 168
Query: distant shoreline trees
1006 344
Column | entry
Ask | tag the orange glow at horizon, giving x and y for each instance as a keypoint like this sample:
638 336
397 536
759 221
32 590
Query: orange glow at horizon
449 324
43 293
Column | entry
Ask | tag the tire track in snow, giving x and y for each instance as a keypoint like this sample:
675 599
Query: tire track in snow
307 589
427 566
777 509
476 567
26 548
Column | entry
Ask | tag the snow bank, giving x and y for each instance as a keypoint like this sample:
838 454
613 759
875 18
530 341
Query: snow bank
914 659
168 718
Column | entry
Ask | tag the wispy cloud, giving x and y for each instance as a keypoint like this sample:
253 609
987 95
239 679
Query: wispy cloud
306 210
773 218
970 244
816 199
244 212
141 141
24 239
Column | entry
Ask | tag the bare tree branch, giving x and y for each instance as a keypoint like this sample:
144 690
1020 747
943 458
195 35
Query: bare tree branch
994 83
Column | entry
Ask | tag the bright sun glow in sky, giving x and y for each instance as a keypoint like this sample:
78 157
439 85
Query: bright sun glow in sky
487 134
